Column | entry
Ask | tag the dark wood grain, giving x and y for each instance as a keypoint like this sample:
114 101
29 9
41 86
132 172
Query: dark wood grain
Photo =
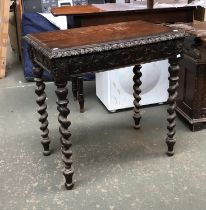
41 101
137 98
83 10
98 34
65 140
75 10
150 4
80 93
191 102
91 15
74 88
173 86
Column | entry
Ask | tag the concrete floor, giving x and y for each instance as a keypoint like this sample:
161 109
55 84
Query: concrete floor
116 167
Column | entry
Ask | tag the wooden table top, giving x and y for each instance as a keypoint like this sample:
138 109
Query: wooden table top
75 10
98 34
198 29
95 36
93 9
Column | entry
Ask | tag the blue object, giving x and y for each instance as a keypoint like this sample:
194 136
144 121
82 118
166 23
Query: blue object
34 23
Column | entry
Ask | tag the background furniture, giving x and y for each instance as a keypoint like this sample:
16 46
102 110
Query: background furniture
191 103
4 24
113 13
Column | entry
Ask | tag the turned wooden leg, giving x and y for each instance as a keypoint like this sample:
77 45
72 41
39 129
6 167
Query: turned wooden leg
74 87
137 98
80 88
65 140
41 101
173 85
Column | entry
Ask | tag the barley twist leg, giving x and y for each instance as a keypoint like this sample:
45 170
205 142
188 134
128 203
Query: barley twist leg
173 86
137 98
65 140
41 101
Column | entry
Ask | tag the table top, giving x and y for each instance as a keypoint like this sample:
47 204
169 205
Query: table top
82 10
100 38
198 29
75 10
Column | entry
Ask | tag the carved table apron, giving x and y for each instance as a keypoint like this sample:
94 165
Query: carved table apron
133 47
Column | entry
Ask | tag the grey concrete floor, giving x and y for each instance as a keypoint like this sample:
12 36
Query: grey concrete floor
116 167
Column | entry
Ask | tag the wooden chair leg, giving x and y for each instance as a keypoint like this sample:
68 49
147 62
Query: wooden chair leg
74 87
80 92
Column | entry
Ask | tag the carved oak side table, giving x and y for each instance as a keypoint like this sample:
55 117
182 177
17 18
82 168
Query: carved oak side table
101 48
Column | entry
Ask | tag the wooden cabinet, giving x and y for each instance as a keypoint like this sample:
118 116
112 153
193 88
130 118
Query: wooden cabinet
191 103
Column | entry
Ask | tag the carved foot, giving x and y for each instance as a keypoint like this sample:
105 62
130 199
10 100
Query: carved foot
80 87
41 101
74 87
173 86
65 140
137 98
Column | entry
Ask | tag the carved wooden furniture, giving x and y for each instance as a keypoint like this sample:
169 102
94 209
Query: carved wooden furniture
101 48
191 104
91 15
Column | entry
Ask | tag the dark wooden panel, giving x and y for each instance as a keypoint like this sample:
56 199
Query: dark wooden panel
160 16
187 86
90 15
191 102
201 87
75 10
